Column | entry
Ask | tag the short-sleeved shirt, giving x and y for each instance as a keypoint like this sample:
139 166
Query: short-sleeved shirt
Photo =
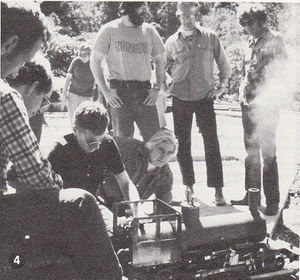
81 170
129 49
191 61
82 78
135 157
260 56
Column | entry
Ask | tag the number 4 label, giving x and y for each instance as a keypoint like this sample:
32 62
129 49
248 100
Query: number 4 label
16 260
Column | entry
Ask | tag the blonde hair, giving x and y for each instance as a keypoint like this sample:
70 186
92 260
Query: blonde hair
163 135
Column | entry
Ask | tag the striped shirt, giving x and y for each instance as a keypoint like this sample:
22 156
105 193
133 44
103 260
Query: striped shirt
19 145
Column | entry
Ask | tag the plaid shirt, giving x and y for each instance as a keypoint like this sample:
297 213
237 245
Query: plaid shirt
19 145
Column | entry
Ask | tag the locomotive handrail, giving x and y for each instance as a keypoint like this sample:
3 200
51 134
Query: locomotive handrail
155 203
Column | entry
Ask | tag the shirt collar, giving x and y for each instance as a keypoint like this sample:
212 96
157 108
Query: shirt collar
71 139
253 41
197 29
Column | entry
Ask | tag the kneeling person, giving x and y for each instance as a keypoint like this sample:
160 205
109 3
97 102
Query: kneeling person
84 157
147 167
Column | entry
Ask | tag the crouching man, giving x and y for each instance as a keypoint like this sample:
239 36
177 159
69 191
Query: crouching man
147 167
84 157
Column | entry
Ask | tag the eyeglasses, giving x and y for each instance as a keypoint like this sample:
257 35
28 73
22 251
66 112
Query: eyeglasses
247 23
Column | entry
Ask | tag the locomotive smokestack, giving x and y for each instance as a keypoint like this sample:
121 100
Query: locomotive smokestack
190 214
253 202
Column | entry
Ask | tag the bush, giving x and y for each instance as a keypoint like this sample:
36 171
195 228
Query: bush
63 48
60 55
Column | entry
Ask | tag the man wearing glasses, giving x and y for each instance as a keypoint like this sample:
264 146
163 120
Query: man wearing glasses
84 157
260 103
127 45
191 54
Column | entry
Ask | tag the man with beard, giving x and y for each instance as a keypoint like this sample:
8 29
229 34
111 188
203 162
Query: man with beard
127 45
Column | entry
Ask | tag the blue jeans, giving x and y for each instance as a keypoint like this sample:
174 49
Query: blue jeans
206 119
66 222
133 110
259 139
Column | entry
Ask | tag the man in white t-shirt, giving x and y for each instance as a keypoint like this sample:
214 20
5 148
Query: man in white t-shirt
127 45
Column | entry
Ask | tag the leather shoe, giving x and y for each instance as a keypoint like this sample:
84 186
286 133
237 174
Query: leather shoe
243 201
271 210
220 200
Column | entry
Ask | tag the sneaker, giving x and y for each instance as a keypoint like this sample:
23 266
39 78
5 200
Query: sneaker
271 210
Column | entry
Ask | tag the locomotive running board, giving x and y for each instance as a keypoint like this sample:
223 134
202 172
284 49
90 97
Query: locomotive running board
273 275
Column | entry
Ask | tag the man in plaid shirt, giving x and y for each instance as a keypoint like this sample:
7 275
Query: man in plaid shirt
67 222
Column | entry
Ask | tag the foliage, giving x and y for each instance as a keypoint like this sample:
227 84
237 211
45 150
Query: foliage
75 22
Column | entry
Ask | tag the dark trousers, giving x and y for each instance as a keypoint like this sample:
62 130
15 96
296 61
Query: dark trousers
259 137
206 119
133 110
70 222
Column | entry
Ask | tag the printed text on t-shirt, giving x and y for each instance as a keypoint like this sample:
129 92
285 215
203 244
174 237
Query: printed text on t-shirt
141 47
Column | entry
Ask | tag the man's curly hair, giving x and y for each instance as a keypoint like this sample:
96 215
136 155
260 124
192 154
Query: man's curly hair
31 72
250 11
25 24
92 116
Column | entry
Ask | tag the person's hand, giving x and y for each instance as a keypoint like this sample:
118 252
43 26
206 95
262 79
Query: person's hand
242 100
217 92
113 99
152 97
58 181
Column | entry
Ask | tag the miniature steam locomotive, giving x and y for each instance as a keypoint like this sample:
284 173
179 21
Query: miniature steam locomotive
166 244
181 246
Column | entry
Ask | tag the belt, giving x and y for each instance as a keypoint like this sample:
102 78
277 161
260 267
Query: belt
117 84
